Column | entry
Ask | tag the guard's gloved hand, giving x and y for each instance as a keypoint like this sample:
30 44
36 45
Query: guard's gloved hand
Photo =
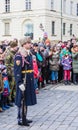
22 87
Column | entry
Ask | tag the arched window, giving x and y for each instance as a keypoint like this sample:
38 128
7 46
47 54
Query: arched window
28 29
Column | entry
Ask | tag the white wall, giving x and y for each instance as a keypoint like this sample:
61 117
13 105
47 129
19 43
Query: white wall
40 13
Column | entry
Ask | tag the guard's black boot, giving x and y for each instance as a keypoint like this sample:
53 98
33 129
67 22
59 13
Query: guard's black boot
29 121
25 123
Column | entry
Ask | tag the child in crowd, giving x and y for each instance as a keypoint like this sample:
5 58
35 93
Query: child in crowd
36 74
66 62
54 62
6 90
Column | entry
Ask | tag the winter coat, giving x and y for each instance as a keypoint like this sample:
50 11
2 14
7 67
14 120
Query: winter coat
74 61
6 91
66 63
21 65
54 61
35 68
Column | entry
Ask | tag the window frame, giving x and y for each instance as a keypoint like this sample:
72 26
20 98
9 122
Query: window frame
52 4
7 28
64 6
64 28
71 7
71 29
28 4
53 28
7 6
77 9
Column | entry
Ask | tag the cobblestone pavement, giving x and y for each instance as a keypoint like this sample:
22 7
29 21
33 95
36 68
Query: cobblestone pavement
57 109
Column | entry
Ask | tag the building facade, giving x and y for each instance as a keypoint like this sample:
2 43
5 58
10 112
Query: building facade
59 18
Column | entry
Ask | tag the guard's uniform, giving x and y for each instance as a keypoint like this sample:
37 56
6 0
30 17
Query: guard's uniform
22 67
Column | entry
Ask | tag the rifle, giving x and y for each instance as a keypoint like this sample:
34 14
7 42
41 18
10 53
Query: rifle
23 100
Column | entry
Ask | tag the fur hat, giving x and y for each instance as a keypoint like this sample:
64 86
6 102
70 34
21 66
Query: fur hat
23 51
24 40
13 44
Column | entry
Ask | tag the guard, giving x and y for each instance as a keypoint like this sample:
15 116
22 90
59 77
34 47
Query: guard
24 77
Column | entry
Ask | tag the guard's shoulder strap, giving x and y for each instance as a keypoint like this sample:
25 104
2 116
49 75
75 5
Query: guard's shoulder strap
22 57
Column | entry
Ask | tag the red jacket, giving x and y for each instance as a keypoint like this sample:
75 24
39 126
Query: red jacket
35 68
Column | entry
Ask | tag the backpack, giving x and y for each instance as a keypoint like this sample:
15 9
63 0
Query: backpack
39 57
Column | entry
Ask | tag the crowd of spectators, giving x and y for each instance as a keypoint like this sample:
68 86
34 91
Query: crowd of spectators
52 63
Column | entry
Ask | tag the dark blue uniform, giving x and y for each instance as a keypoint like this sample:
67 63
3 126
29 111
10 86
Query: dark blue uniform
23 66
30 91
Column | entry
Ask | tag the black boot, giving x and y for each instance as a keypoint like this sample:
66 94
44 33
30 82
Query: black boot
25 122
29 121
69 83
20 123
65 82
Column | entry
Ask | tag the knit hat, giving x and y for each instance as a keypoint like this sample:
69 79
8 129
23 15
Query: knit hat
63 46
45 34
41 45
25 40
35 44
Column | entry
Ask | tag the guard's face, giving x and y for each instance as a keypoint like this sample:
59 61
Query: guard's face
27 45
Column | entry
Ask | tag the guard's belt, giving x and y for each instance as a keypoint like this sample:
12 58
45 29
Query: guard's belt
27 71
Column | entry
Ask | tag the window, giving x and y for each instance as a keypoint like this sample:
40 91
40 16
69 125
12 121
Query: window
77 9
28 4
71 7
7 5
29 30
53 28
7 28
71 29
64 28
52 4
64 6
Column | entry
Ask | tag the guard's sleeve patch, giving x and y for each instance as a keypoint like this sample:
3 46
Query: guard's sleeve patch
18 62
